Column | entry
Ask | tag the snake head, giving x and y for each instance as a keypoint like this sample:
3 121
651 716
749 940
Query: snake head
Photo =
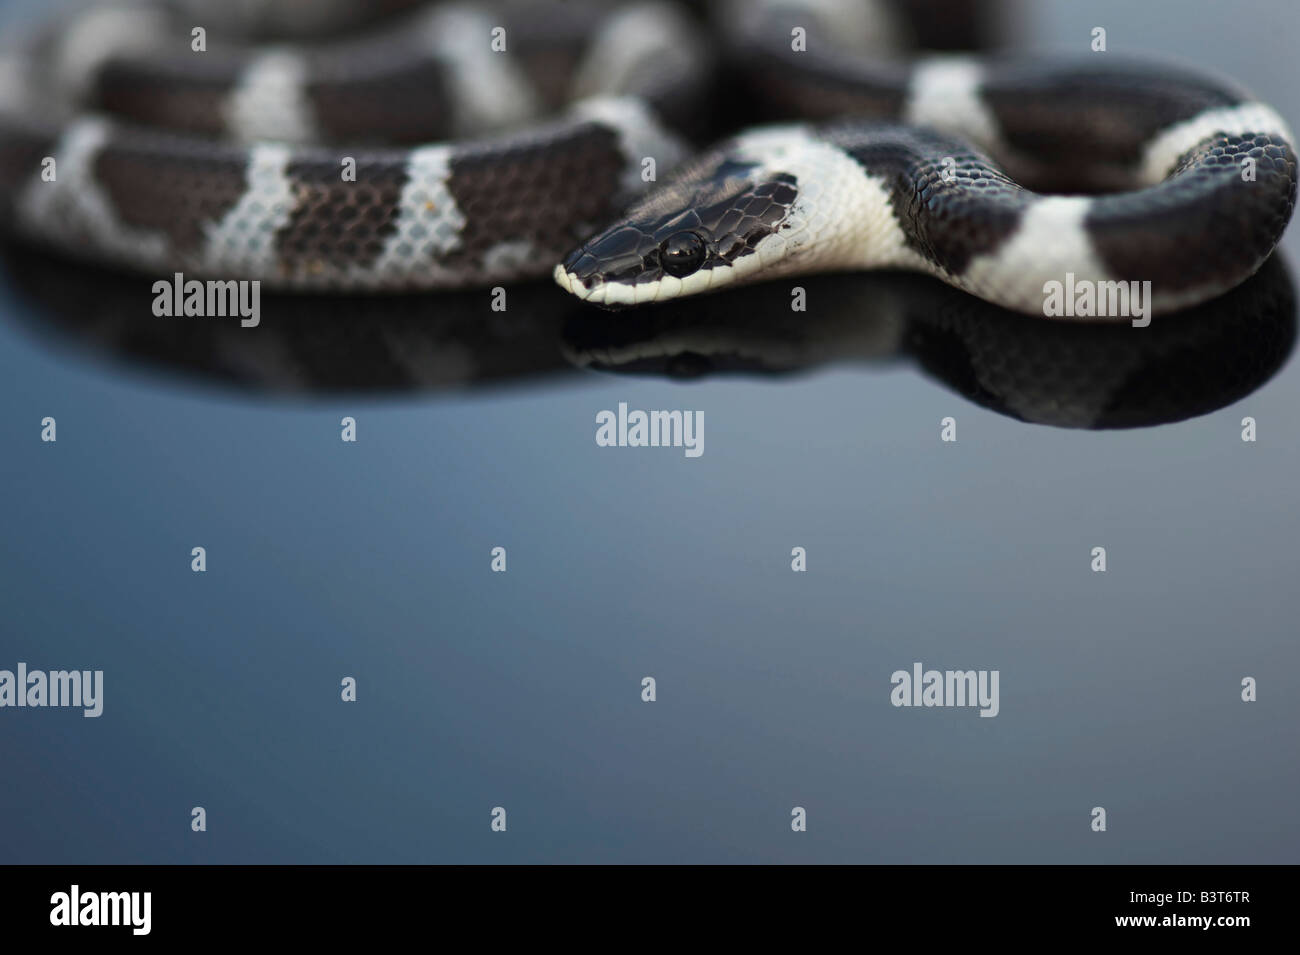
720 220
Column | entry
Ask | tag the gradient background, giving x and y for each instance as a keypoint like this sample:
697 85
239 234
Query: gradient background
522 690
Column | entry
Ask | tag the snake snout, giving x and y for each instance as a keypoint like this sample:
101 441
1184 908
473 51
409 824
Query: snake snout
608 268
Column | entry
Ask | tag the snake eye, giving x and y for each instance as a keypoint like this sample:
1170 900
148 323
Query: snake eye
682 254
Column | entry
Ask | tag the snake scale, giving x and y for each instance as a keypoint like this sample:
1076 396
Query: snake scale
638 152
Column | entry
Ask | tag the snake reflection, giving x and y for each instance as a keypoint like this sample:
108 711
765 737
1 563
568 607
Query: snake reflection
1065 374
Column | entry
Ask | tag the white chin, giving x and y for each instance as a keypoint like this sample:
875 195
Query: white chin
643 293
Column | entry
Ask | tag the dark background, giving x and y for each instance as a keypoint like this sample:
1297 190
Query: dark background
522 689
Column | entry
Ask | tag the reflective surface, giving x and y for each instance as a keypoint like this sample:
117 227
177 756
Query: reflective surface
1067 374
522 689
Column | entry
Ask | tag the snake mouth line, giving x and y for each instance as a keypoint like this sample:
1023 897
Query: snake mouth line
570 283
662 289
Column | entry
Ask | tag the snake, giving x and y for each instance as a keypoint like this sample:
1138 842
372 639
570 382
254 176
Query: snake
638 153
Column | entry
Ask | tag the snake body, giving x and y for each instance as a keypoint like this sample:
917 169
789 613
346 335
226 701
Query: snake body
423 157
